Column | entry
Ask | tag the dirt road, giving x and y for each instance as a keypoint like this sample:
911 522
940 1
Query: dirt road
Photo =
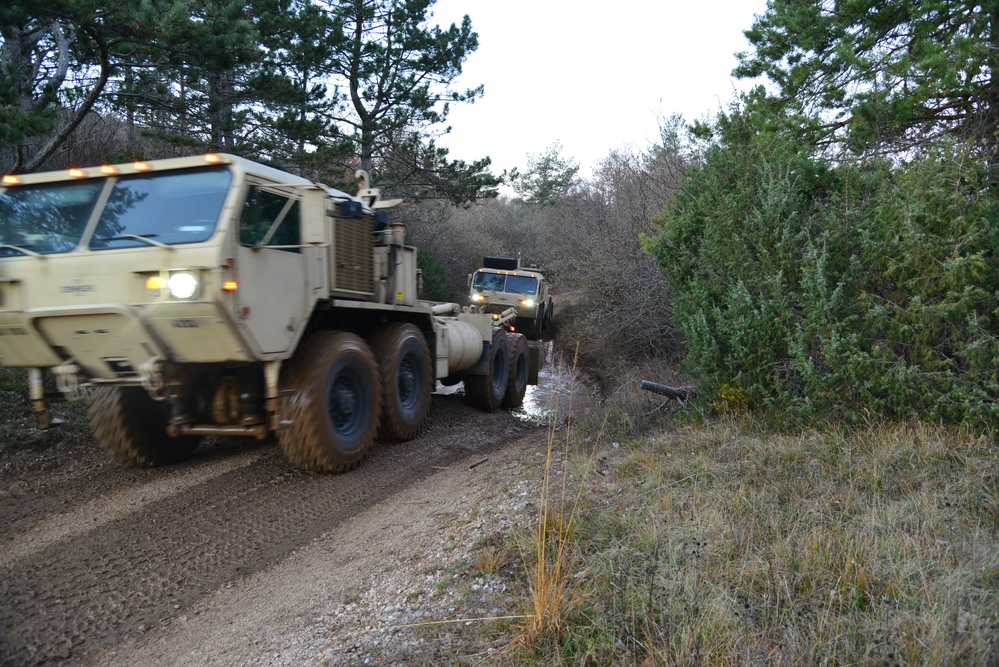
216 560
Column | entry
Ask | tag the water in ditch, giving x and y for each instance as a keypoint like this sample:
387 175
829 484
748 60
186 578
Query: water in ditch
562 391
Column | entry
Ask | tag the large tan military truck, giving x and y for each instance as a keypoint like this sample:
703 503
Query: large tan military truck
502 283
213 295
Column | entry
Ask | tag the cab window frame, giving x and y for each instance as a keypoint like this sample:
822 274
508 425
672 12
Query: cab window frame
280 208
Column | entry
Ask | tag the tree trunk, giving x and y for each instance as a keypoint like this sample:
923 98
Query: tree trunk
991 103
55 142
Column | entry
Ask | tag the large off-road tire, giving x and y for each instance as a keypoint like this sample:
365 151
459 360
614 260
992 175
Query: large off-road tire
127 422
516 384
537 325
529 326
407 380
333 403
548 332
486 391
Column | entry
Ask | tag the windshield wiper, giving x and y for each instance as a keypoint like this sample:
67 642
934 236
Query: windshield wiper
21 249
139 237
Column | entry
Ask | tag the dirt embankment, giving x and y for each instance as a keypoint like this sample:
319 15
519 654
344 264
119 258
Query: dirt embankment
235 557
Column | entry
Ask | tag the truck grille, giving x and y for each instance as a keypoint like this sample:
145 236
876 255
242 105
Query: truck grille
354 256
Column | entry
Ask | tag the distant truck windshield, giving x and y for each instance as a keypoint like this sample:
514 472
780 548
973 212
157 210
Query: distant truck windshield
499 282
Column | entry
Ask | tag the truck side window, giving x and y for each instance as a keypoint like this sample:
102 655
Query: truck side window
270 220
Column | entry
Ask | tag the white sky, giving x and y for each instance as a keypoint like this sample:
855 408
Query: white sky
593 76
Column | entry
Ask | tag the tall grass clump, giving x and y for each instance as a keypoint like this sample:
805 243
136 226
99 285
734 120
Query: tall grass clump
549 554
721 544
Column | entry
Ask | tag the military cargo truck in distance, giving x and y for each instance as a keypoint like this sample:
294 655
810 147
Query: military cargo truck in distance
502 283
212 295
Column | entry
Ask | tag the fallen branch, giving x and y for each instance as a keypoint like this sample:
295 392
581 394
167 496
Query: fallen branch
679 393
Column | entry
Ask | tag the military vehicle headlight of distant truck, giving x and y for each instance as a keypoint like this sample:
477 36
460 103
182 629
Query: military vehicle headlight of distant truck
213 295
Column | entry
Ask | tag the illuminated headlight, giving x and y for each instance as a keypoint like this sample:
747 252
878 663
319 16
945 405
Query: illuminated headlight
527 303
478 297
175 285
182 285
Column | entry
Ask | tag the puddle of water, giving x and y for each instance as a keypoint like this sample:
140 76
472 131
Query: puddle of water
559 392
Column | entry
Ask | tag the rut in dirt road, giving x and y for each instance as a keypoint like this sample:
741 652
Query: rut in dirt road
100 574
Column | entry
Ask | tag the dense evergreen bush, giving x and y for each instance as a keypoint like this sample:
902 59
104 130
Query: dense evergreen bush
842 290
436 285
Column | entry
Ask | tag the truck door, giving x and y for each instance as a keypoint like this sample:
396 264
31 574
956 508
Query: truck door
270 267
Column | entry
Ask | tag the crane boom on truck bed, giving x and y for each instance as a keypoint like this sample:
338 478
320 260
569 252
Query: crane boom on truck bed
214 295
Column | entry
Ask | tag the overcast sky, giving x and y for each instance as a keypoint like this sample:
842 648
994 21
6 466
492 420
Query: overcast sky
593 76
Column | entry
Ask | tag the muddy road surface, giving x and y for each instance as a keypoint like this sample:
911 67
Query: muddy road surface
93 555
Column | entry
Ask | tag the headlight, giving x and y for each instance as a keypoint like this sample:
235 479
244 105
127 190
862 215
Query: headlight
527 303
182 285
478 297
176 285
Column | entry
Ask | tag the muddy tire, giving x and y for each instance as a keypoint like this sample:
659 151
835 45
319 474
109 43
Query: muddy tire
516 384
486 392
129 424
528 327
333 403
406 378
537 326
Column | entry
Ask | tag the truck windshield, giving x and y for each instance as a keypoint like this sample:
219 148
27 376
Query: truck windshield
522 284
489 281
47 218
169 208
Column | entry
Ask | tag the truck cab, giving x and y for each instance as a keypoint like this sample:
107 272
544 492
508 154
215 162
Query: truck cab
502 283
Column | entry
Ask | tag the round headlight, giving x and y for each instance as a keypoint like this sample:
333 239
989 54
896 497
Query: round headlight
478 297
182 285
527 303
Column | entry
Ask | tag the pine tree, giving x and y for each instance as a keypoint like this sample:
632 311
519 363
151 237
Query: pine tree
880 75
397 76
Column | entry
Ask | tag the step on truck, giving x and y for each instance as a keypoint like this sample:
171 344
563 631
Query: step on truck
213 295
502 283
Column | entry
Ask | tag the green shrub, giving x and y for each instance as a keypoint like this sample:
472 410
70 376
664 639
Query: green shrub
849 289
436 284
14 379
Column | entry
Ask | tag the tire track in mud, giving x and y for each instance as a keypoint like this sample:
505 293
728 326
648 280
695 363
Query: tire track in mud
100 583
96 513
51 482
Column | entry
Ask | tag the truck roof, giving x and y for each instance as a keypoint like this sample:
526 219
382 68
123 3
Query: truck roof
150 166
523 271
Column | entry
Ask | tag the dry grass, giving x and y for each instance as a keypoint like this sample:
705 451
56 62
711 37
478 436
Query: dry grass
549 557
722 544
490 560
